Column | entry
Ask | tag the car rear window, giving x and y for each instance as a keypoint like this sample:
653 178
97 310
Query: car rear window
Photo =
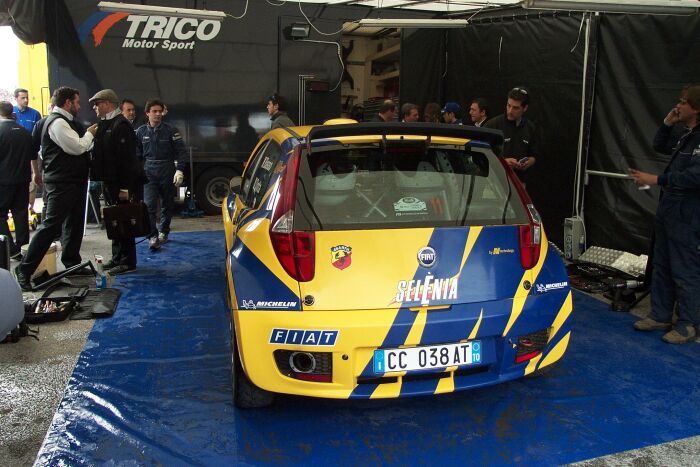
403 186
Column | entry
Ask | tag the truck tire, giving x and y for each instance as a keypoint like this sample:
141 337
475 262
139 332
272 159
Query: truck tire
211 188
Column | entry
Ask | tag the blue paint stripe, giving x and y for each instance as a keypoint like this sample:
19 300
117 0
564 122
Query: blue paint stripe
252 280
89 24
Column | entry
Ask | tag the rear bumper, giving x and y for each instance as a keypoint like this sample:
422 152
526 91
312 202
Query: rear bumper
353 336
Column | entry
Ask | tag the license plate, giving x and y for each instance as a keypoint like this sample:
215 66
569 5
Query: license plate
427 357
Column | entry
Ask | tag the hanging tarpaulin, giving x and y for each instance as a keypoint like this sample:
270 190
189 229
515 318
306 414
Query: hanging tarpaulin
643 62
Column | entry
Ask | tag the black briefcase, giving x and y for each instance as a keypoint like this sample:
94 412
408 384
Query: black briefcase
126 220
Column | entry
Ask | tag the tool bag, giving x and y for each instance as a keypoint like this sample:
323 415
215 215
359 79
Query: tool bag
126 220
56 304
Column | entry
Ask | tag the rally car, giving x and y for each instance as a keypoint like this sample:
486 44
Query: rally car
383 260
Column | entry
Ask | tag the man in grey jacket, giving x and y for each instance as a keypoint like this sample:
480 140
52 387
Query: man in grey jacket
276 106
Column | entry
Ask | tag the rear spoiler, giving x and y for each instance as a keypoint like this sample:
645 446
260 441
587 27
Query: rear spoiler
488 135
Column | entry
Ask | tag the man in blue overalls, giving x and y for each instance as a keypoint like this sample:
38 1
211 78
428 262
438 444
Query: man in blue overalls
676 276
160 147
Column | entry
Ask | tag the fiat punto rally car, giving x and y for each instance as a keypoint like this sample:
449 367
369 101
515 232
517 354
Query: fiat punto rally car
387 260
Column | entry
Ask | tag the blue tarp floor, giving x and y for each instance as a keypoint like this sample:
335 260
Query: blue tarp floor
152 386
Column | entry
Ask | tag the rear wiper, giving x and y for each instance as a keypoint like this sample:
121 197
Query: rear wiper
308 203
469 200
505 206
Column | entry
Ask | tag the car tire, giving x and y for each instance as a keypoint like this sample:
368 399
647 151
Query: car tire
246 395
212 187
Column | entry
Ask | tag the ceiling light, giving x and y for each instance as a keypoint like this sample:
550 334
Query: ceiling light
413 23
661 7
161 10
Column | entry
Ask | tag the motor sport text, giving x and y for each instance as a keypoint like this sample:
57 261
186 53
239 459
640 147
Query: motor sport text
185 31
303 337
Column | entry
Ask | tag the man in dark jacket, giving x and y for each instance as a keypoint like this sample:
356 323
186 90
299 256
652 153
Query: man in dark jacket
115 164
676 273
16 158
520 134
276 107
66 163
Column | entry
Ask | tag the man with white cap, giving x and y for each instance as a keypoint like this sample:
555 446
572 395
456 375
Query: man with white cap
114 162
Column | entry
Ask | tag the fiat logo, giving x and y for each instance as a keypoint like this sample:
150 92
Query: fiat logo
426 257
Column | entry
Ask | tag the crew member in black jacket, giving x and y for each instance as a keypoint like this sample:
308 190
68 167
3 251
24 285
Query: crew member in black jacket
66 162
114 162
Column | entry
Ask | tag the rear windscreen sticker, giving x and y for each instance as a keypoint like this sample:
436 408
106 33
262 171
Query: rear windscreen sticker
410 206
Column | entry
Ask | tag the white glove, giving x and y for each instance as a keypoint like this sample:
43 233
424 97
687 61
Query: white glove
178 178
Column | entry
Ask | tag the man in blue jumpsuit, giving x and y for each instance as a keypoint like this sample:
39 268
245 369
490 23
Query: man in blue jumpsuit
160 147
676 276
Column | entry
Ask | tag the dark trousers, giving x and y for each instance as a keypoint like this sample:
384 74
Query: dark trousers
15 198
65 215
160 186
676 275
123 250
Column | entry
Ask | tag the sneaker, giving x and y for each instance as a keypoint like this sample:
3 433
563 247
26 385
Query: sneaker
122 269
648 324
162 238
82 272
22 280
153 243
675 337
17 256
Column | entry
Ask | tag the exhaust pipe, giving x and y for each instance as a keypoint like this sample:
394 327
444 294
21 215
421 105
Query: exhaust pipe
302 362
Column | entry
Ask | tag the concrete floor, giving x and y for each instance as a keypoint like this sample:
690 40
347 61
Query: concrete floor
34 374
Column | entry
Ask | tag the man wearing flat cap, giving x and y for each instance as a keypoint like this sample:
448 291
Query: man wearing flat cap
114 162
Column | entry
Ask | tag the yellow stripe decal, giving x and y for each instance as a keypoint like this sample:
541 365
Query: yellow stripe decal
557 352
532 364
387 390
475 331
417 329
521 294
446 384
563 314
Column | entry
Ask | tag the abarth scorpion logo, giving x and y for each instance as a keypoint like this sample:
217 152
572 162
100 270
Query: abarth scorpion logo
341 256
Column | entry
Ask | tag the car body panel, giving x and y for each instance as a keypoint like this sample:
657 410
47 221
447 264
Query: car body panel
366 304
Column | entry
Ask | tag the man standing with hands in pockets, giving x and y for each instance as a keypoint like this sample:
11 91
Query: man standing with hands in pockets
676 273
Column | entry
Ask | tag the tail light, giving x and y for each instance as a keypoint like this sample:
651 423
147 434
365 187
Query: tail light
529 235
531 345
294 250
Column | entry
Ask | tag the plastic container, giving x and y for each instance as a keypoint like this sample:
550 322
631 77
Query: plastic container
100 277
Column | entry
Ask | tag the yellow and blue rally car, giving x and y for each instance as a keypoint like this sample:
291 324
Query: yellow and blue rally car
382 260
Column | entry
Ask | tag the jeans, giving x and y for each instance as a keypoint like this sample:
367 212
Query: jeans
159 187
